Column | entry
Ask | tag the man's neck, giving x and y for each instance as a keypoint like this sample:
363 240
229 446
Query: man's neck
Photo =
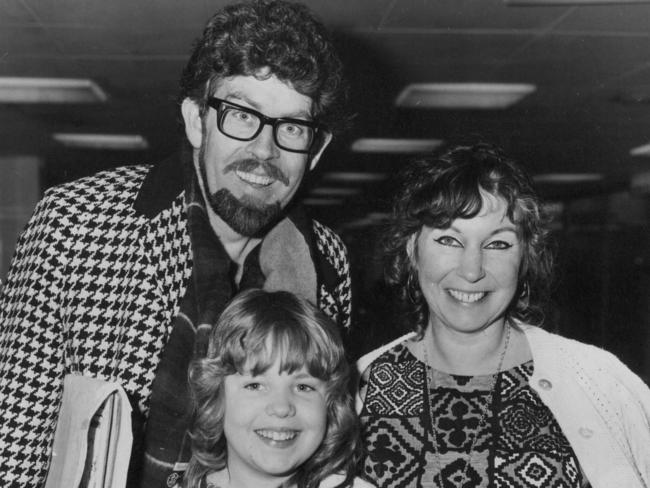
236 245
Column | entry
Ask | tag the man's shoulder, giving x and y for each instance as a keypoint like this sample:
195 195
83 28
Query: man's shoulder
122 180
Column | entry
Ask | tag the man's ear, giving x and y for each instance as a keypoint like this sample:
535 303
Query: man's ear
193 122
327 138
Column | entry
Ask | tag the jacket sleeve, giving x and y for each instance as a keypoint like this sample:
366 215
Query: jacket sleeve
31 347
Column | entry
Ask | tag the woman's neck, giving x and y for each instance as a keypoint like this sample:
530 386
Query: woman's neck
470 354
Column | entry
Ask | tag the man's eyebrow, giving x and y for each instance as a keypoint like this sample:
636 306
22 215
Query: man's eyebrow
242 97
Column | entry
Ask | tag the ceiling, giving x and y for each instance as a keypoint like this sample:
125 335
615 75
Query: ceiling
590 64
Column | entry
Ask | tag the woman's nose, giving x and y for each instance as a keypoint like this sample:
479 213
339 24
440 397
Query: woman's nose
280 405
471 265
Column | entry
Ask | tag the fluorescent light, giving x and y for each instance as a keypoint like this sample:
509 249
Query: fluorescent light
322 202
334 192
50 90
349 176
395 146
640 150
567 178
640 182
378 216
102 141
543 3
475 96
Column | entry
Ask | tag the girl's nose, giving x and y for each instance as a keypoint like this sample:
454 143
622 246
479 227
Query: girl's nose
280 405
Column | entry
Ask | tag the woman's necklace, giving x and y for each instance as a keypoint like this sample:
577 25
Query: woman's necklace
485 408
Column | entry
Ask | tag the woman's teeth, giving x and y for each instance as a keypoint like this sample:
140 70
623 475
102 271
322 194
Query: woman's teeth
464 297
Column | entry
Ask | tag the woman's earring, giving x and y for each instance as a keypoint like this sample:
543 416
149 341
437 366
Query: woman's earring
524 290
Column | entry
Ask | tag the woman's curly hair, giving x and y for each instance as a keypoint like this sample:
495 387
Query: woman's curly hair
433 192
255 329
286 38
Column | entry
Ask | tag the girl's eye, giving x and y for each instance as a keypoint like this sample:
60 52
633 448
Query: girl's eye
253 386
498 245
448 241
305 388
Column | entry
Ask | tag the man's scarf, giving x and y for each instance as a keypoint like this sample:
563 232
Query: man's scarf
283 261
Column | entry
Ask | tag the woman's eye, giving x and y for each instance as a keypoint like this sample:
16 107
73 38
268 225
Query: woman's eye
498 245
253 386
448 241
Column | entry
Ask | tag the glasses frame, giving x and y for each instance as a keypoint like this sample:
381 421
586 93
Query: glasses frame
274 122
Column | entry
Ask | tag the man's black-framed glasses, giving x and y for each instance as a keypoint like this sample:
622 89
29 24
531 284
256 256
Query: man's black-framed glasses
245 124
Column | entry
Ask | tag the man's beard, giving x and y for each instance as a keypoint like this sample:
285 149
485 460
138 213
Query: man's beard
246 216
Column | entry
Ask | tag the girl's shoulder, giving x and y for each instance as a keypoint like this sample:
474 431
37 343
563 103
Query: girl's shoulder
335 480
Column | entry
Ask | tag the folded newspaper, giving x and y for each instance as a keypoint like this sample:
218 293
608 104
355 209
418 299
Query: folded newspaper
93 438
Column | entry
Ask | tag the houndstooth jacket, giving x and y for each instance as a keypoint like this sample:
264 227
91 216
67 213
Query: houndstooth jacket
93 288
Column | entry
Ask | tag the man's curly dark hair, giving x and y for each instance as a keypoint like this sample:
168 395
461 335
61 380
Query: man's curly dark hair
434 192
282 36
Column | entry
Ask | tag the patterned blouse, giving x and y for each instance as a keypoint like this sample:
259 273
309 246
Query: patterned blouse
519 444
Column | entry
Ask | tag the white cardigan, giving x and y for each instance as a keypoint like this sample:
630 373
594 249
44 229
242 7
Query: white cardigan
602 406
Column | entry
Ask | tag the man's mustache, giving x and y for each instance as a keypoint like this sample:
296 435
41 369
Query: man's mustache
250 165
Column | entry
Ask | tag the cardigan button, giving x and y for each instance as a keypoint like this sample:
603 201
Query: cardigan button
585 432
545 384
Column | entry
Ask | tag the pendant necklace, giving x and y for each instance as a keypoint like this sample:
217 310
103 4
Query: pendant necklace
485 408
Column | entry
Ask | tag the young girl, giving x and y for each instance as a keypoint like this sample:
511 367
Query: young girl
272 406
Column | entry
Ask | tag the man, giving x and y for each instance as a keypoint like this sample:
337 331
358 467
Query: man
120 276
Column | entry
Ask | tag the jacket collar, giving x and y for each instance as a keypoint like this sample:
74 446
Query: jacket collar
162 185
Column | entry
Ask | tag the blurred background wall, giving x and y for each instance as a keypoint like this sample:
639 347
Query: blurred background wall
561 85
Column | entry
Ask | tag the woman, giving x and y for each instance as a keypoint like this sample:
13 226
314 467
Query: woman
477 394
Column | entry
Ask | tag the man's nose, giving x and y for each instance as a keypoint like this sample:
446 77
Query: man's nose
263 147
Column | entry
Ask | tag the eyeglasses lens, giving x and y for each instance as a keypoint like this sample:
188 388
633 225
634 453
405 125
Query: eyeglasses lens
290 135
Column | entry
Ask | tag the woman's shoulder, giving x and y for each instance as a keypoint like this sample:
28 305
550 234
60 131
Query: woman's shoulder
335 480
553 352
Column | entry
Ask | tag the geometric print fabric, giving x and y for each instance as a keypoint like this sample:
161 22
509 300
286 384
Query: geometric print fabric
519 446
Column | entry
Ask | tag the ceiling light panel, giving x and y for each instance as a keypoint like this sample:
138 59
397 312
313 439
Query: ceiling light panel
463 96
568 178
352 177
395 146
322 202
50 90
576 3
334 192
124 142
640 150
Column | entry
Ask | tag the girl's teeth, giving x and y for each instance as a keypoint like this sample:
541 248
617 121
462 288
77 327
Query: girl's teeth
255 179
466 297
275 435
